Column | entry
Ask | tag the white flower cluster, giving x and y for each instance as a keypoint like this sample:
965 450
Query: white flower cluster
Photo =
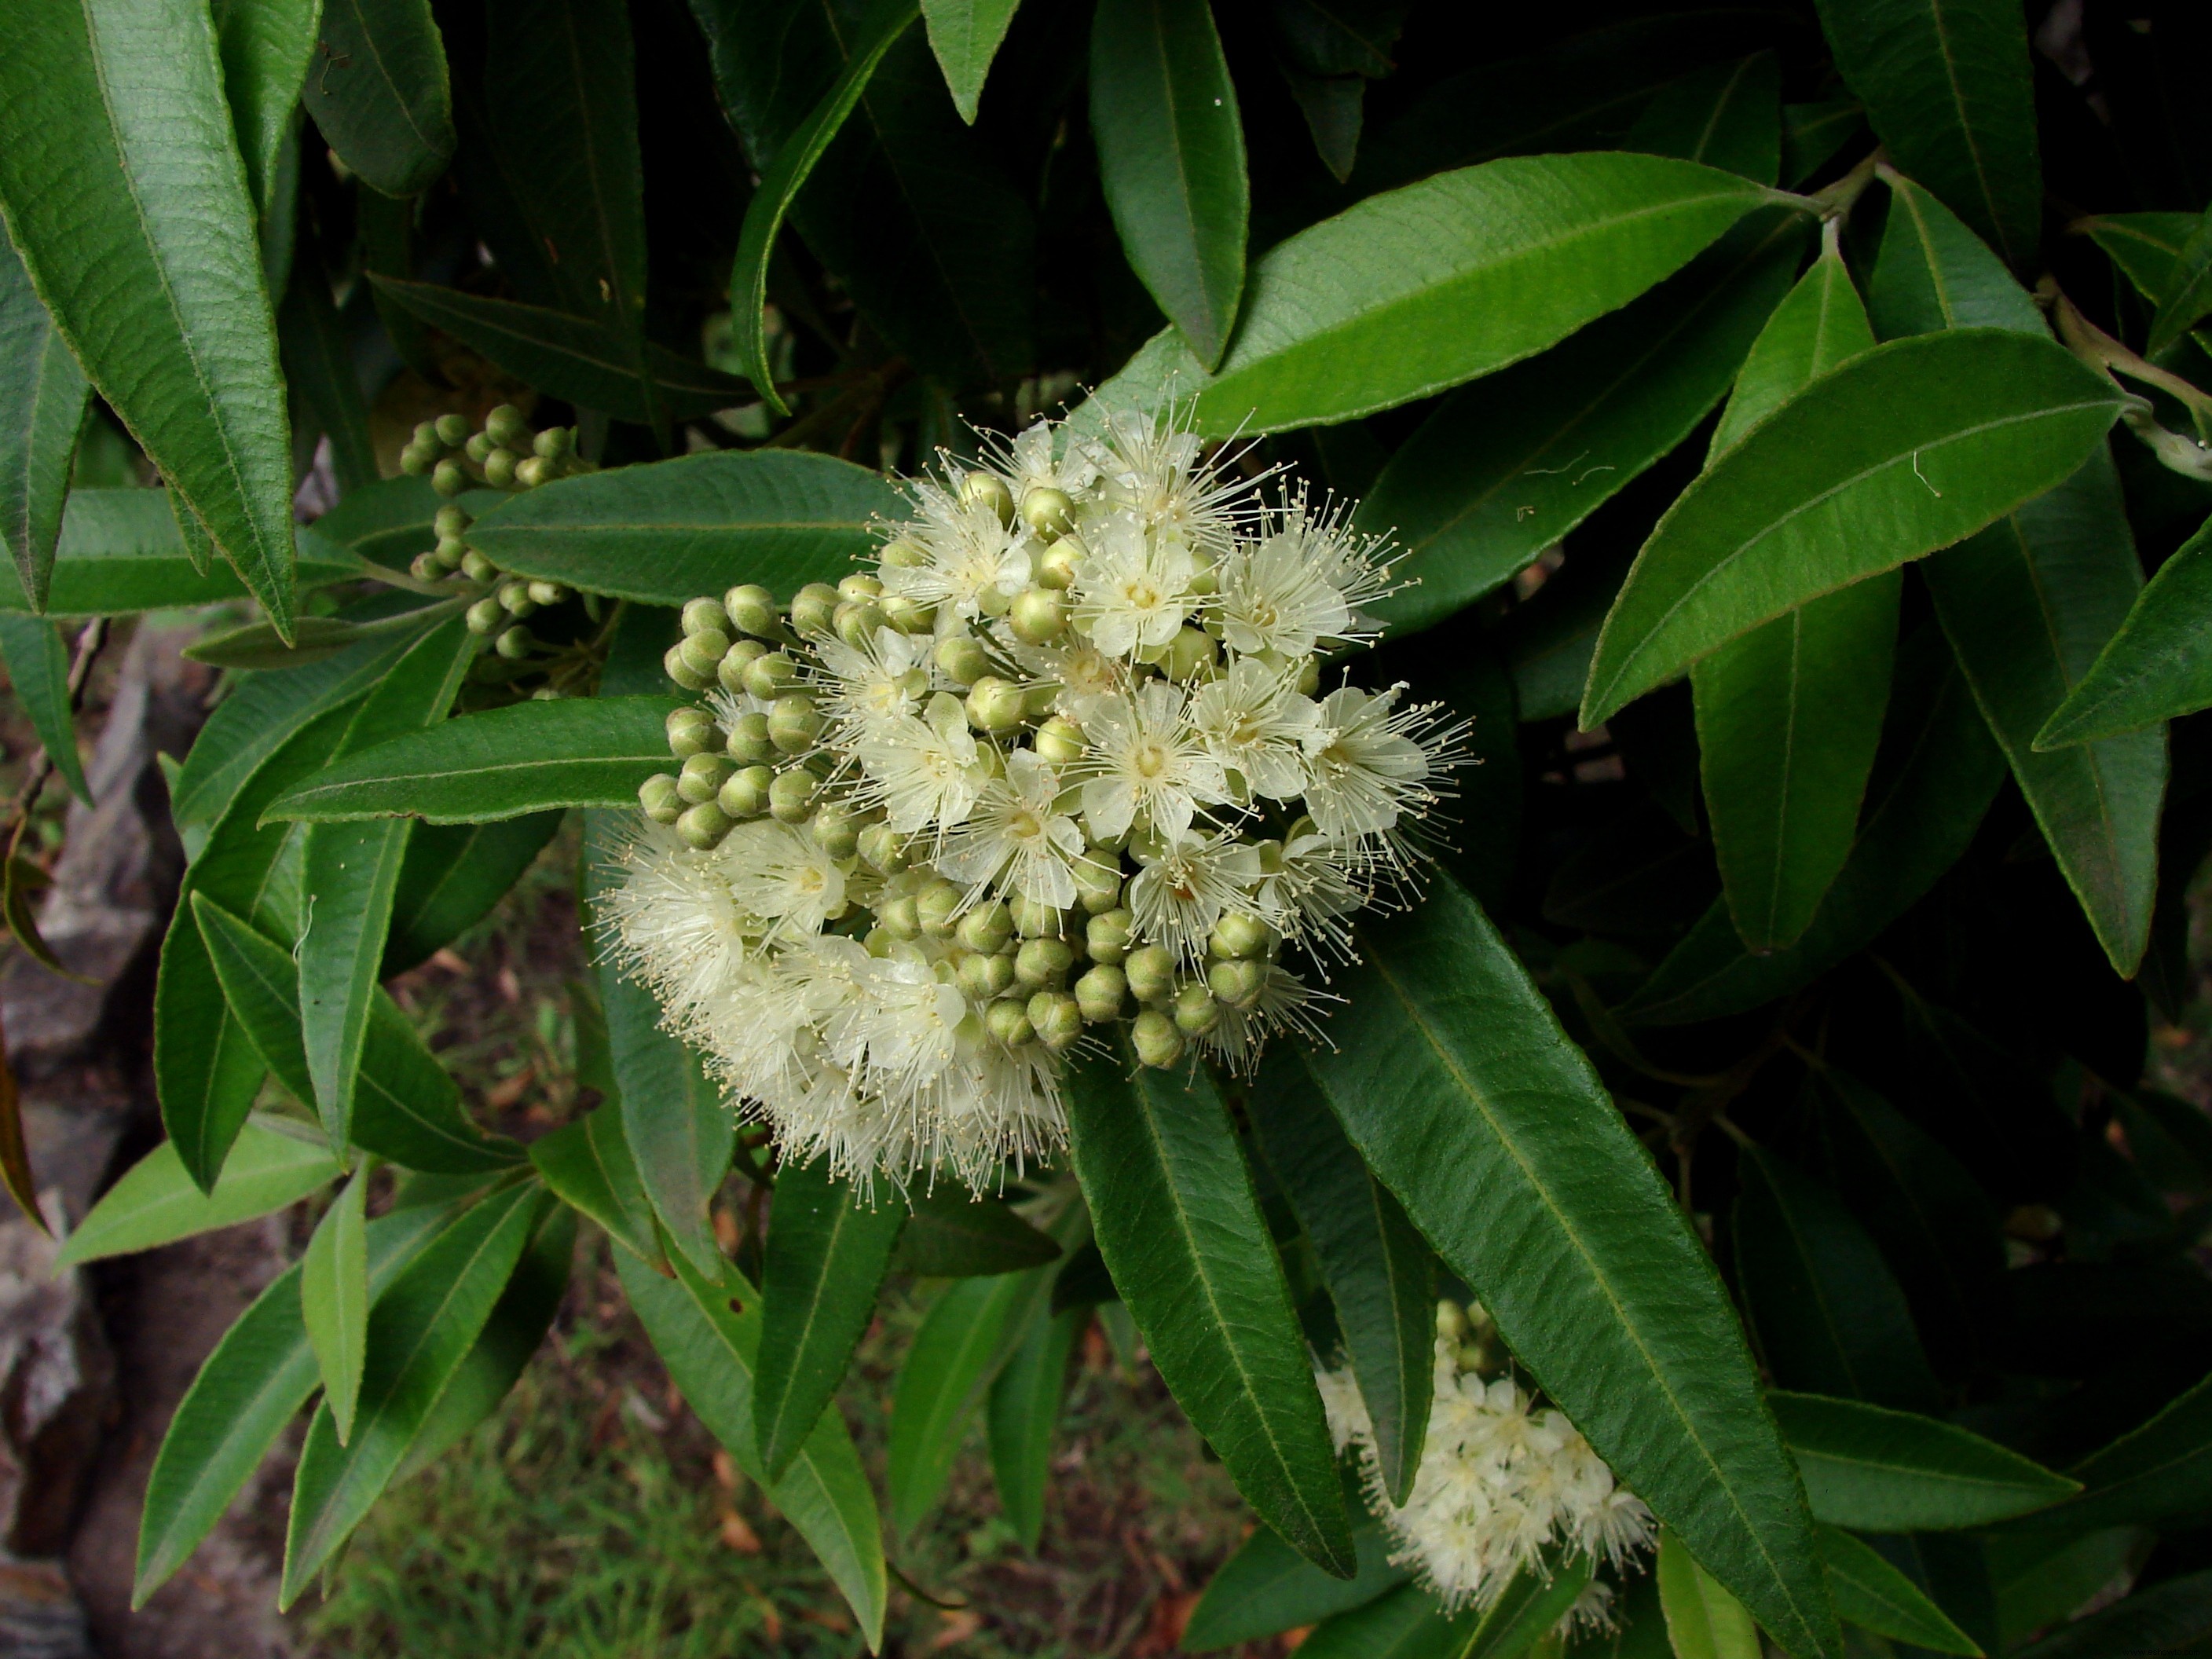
1062 758
1500 1480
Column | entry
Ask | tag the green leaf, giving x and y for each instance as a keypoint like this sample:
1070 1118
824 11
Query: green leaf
38 663
945 1376
420 1330
588 1165
1903 450
452 876
1812 134
245 1393
1506 467
265 45
576 358
1874 1595
1021 1413
259 646
1547 643
1934 273
2174 1616
965 34
1818 326
1408 293
1405 1623
679 1128
1175 1215
1725 115
353 872
318 352
2146 246
379 93
2028 603
1454 1080
126 199
1704 1621
829 1247
156 1202
389 521
1171 159
708 1333
526 758
1829 1316
2188 298
43 400
1529 1607
1379 1275
1268 1588
1947 85
952 1234
334 1299
2157 1473
2158 666
1876 1470
665 533
872 36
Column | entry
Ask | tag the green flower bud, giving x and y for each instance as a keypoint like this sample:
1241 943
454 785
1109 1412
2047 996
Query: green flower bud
416 462
769 675
835 829
691 730
1309 676
478 447
657 794
794 723
1060 741
555 442
486 616
883 849
1008 1020
994 705
677 669
704 651
1055 567
702 776
1451 1323
1039 615
963 658
900 554
907 616
1099 992
859 585
936 907
1037 700
514 597
426 435
1239 933
478 568
499 467
1043 962
1150 969
898 918
1205 579
749 740
988 490
812 609
448 478
1237 982
1106 936
987 927
452 430
1158 1042
706 615
1055 1018
429 567
1033 918
731 671
450 522
1048 512
704 825
791 797
532 471
855 621
450 551
1196 1012
743 794
1097 884
751 610
1190 653
983 976
506 426
544 593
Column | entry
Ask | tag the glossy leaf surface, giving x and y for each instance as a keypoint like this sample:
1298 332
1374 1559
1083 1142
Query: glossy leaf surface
1934 273
1874 1595
379 92
588 1165
1876 1470
156 1200
2157 666
43 397
965 35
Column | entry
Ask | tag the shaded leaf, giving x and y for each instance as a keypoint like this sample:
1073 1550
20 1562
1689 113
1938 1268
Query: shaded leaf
318 362
1268 1588
1022 1412
1874 1595
1876 1470
1725 115
2159 1472
588 1165
2157 666
1530 1607
259 646
952 1234
156 1201
966 35
43 400
2188 298
1704 1621
1812 134
15 1173
2174 1616
2144 246
1934 273
38 663
1405 1623
334 1300
452 876
379 93
264 46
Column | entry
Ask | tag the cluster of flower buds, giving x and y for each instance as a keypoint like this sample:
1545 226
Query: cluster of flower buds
1501 1481
1058 761
506 454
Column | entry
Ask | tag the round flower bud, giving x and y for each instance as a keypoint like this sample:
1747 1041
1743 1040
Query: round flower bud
1043 962
835 829
544 593
794 723
514 597
1097 884
860 586
749 740
426 435
994 705
448 478
1048 512
751 609
1451 1323
898 918
428 567
855 621
702 775
770 674
1055 1018
478 568
677 669
1205 579
791 797
1008 1020
1195 1009
937 908
983 976
506 426
450 551
812 609
1237 982
883 849
415 462
909 616
691 730
987 927
1039 615
1055 567
902 553
1309 676
555 442
988 490
1158 1042
532 471
1033 918
1106 936
450 522
452 430
478 447
963 658
486 616
731 671
514 643
706 615
704 651
703 826
657 794
1060 741
1239 933
1190 653
499 468
1150 969
1099 992
744 794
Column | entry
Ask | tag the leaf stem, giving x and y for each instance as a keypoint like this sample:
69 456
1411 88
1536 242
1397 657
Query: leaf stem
2177 451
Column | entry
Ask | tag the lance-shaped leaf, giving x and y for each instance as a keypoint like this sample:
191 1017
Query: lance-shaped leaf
318 361
795 156
1935 273
664 532
156 1201
38 665
1529 1608
1175 1214
2144 246
43 398
1874 1595
588 1165
1379 1275
420 1330
334 1300
2188 298
1901 451
679 1128
2158 666
126 199
708 1333
965 34
527 758
1268 1588
265 45
952 1234
1704 1621
1877 1470
1725 115
1171 159
2155 1474
353 872
1023 1410
453 875
380 92
828 1248
1405 1623
1412 291
1947 85
1452 1078
2172 1616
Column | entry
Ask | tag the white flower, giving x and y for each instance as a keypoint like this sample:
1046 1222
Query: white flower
926 773
1186 885
1017 836
1368 769
901 1031
673 922
975 564
1252 721
1312 888
1148 765
1301 587
1286 1003
1029 464
862 686
1084 674
1132 589
1152 468
782 877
